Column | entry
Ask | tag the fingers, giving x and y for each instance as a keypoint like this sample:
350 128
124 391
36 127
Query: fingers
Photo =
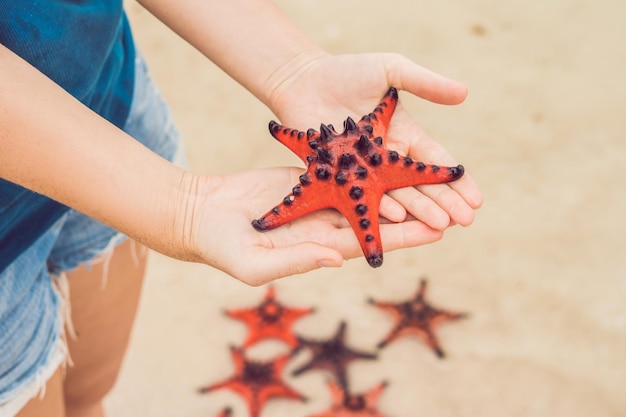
422 207
391 209
407 75
394 236
268 264
436 205
407 234
450 202
468 189
265 264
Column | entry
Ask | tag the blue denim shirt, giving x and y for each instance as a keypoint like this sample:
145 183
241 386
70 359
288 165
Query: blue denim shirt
86 47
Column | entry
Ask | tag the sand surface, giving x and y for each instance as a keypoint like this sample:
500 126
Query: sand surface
542 270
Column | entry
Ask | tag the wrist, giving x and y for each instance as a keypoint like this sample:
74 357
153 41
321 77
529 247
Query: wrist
181 215
277 87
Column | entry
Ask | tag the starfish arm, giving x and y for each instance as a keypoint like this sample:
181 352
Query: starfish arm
297 141
336 392
433 343
238 361
393 309
421 291
301 201
215 387
396 311
270 293
249 317
254 405
302 369
372 396
279 390
452 316
243 314
336 369
380 118
363 216
391 336
404 172
250 396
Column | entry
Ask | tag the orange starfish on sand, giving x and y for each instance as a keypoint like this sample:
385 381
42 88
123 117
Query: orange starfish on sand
270 319
416 316
256 382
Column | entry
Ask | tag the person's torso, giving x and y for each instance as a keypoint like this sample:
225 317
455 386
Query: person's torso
86 47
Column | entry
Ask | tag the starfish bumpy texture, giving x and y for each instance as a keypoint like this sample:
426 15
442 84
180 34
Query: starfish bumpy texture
269 320
345 404
417 316
256 382
350 172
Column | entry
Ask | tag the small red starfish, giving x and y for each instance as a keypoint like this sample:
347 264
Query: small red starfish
270 319
256 382
331 355
417 316
353 405
350 172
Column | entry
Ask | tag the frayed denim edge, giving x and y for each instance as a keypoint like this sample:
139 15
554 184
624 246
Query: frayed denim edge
58 356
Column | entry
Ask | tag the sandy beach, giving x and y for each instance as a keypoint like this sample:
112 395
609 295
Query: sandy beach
542 271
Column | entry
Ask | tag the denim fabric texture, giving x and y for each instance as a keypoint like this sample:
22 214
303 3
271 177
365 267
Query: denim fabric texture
31 323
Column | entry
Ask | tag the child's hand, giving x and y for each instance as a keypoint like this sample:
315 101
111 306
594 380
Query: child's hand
222 236
330 88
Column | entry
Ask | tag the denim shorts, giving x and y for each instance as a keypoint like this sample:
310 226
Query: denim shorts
32 345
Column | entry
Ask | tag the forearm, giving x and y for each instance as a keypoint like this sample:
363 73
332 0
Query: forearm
251 40
54 145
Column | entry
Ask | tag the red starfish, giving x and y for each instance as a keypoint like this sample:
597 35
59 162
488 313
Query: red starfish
269 320
417 316
257 382
350 172
331 355
353 405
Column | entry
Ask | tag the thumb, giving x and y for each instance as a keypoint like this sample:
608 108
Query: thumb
424 83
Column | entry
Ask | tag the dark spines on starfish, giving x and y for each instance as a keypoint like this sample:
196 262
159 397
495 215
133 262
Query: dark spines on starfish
350 126
360 209
350 167
363 145
360 172
326 133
